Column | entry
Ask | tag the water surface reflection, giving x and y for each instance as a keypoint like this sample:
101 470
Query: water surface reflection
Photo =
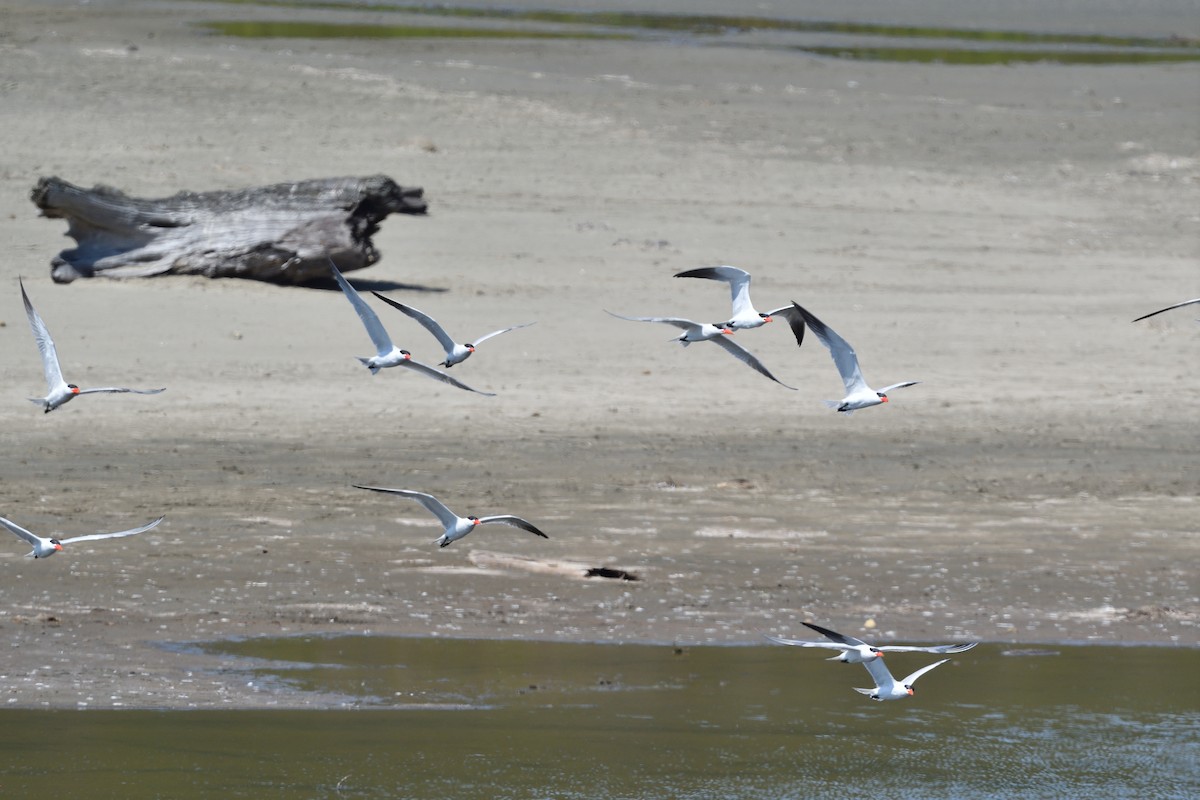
486 719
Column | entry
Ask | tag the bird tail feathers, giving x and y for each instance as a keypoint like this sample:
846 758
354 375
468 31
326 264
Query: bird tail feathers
835 405
367 363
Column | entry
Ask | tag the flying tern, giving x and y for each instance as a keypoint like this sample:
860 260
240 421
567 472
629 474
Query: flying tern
858 393
1168 308
44 548
704 332
456 527
386 353
59 390
455 353
856 651
745 315
887 687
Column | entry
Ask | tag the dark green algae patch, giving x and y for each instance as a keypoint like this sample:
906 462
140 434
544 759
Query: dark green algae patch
324 30
980 47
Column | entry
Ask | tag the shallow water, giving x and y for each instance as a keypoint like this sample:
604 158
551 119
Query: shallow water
487 719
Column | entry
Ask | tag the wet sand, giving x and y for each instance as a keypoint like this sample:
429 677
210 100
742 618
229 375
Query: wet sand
989 231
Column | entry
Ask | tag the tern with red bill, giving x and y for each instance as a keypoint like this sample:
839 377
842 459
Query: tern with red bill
46 547
456 527
386 353
745 315
455 353
856 651
858 393
1168 308
887 687
59 390
717 334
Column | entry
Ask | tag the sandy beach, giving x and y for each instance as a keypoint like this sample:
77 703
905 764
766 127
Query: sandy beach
989 231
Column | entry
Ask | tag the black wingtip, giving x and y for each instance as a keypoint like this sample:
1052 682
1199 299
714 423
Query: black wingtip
396 304
804 312
699 272
834 635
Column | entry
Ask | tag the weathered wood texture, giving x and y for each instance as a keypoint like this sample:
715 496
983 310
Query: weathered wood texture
285 233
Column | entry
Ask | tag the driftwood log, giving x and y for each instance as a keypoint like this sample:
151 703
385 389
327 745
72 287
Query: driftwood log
285 233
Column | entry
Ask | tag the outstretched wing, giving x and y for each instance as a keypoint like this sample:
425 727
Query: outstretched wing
883 680
911 679
795 321
429 371
844 357
431 503
370 320
1168 308
939 648
28 536
807 643
430 324
739 285
487 336
746 357
678 322
118 390
900 385
50 367
117 535
516 522
841 638
881 675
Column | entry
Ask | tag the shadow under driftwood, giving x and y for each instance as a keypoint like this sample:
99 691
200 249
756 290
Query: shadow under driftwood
284 233
326 283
